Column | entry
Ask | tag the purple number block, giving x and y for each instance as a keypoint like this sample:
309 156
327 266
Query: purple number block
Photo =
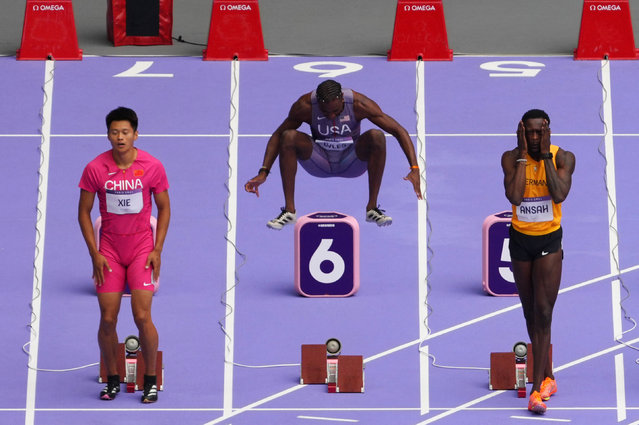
326 255
497 275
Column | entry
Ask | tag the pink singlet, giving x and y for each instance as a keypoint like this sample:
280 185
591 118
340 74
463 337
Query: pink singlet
124 196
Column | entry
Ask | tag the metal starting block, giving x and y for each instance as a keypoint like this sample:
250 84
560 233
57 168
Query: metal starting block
508 370
514 369
322 364
131 366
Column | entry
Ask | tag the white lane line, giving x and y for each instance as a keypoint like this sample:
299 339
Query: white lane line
508 134
319 418
615 287
462 407
231 212
311 409
422 241
621 388
536 418
387 135
611 186
613 235
38 260
255 404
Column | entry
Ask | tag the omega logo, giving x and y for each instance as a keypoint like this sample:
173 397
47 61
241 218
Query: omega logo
607 7
419 7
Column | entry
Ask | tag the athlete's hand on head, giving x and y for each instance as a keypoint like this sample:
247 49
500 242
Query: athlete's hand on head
154 260
252 185
99 264
414 178
545 138
522 144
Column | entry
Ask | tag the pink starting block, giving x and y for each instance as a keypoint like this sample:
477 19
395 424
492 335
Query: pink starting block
326 255
497 275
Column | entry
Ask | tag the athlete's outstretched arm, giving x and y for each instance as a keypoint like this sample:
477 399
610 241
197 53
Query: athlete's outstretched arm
367 108
300 112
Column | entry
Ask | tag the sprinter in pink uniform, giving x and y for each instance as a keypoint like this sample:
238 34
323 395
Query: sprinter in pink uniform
124 178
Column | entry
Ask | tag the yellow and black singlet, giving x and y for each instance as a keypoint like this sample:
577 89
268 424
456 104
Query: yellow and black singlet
537 214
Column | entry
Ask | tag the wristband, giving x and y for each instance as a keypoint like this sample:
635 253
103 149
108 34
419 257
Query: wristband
522 160
265 170
414 167
546 155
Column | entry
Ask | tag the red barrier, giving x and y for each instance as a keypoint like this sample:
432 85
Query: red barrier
606 31
147 23
420 31
48 31
235 31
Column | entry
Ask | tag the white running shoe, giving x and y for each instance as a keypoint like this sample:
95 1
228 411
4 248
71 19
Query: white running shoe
284 218
375 215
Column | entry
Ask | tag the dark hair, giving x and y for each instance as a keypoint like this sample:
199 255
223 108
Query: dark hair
535 113
122 114
328 90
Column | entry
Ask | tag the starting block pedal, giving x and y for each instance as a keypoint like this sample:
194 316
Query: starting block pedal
514 369
131 369
313 364
235 31
48 31
420 31
323 364
606 31
503 371
508 370
350 376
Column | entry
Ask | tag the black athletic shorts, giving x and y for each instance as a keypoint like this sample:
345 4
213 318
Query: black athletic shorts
528 248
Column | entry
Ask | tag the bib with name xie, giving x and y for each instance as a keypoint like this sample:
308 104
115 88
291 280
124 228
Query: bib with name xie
124 196
124 201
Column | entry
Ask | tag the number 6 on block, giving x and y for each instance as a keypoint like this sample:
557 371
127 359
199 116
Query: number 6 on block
323 254
326 255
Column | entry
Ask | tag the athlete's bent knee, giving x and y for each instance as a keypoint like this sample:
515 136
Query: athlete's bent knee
378 139
287 139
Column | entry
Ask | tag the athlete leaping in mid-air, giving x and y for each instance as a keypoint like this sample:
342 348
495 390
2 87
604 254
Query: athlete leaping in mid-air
334 148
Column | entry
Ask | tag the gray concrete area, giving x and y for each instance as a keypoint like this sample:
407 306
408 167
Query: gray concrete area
342 28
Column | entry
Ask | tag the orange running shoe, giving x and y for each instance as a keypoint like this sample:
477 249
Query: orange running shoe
535 404
548 388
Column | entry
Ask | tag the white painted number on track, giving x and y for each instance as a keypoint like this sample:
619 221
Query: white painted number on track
137 71
512 68
328 69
